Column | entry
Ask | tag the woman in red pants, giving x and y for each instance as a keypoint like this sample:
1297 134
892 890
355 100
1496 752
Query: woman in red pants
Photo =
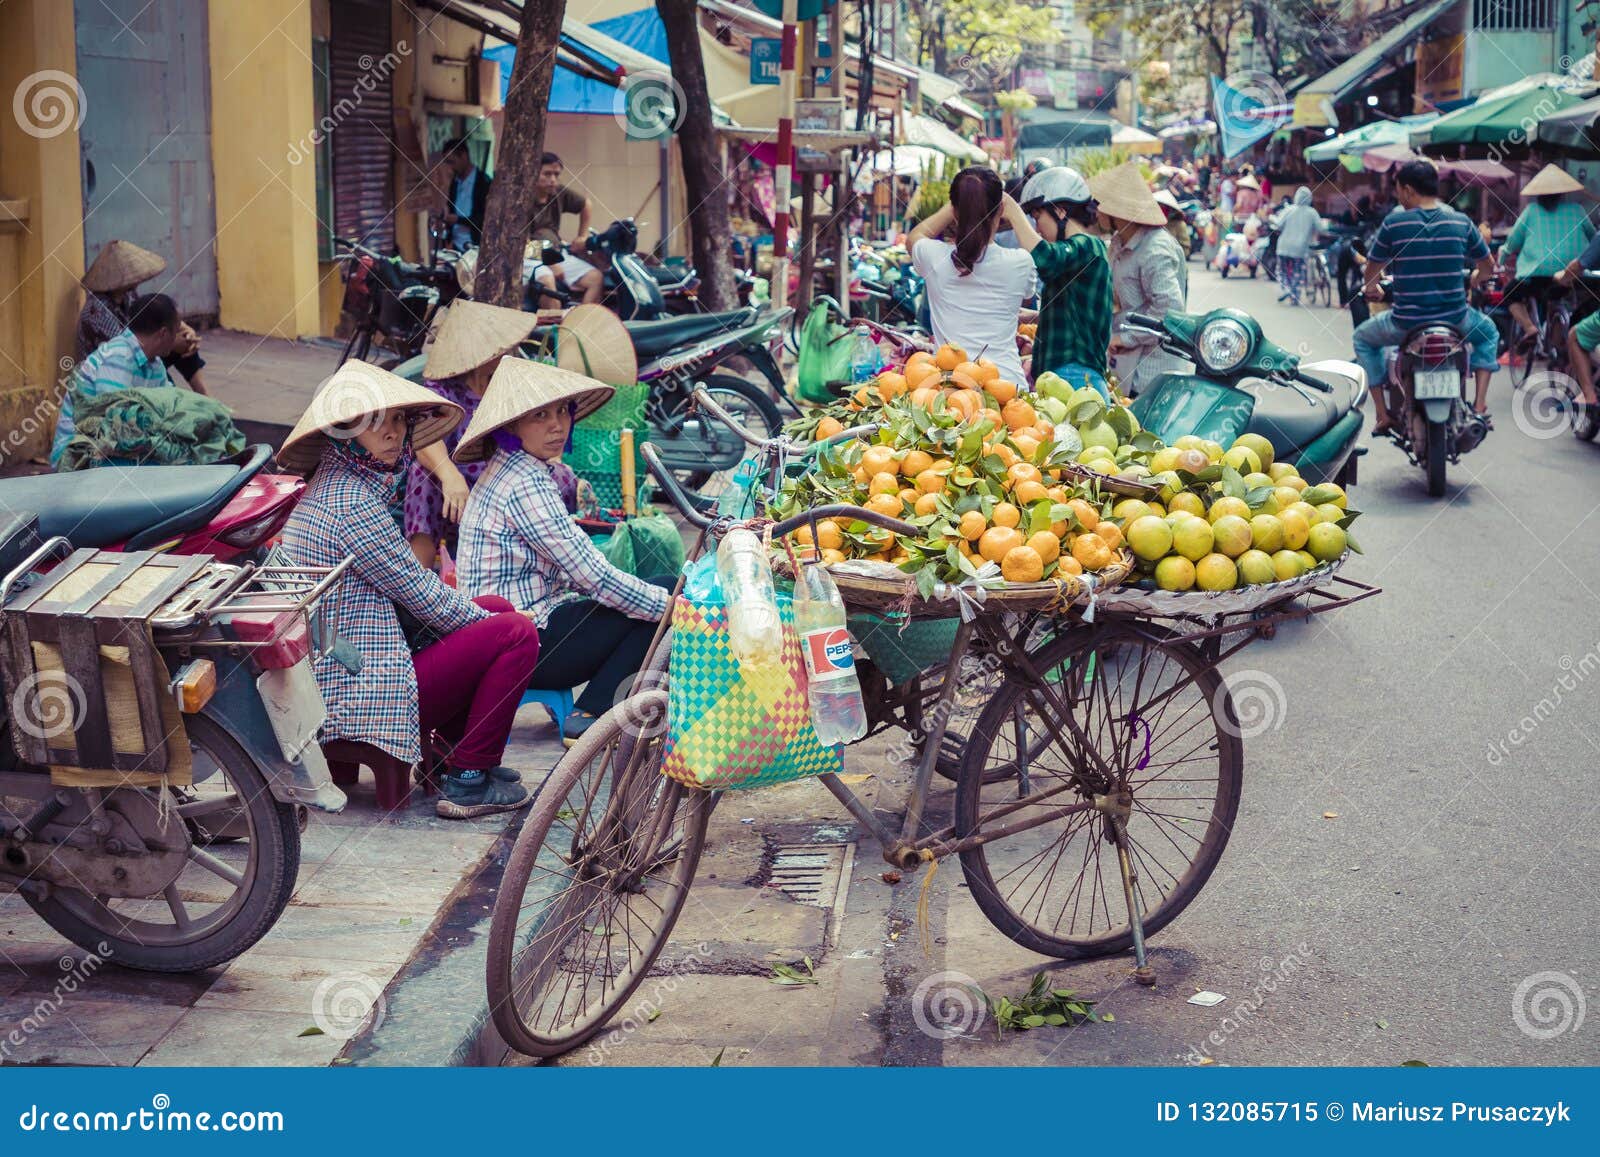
427 659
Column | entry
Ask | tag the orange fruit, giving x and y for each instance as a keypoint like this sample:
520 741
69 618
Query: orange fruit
831 556
1005 514
1091 550
1018 414
1026 445
909 495
987 371
828 427
1047 544
915 462
889 504
1005 453
917 373
884 483
1024 472
891 386
965 403
924 396
963 381
920 356
1088 516
1001 391
930 481
972 526
1045 431
949 357
1028 492
997 541
1069 565
878 459
992 416
972 370
926 504
1111 532
1022 564
829 534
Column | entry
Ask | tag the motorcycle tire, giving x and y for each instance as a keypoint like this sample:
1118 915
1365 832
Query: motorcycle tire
1438 436
754 397
1224 272
270 874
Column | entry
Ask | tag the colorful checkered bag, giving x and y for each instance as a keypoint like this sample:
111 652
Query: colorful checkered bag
730 726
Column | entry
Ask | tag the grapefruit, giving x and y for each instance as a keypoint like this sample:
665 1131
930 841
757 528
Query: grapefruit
1216 572
1175 573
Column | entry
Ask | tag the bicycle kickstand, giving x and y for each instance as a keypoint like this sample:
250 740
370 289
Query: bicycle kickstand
1116 807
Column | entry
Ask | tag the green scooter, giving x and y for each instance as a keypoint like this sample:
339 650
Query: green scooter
1244 383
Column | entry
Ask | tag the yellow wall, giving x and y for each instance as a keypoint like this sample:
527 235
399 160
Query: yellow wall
616 174
41 257
261 109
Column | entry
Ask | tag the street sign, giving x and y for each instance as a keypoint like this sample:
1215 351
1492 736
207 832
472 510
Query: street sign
765 57
808 9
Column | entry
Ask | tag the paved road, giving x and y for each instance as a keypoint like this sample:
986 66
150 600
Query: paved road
1413 874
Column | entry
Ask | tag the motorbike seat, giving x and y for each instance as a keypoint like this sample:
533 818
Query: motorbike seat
1289 419
139 505
651 339
670 276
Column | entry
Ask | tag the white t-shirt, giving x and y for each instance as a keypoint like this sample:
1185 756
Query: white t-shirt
978 312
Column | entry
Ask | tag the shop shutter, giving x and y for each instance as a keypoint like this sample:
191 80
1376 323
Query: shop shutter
360 101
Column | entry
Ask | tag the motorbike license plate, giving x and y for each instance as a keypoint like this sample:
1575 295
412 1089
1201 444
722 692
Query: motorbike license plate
1427 384
294 705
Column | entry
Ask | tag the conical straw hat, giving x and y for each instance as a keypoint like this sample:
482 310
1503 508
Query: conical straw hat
1552 180
519 387
592 341
1122 193
473 333
122 265
356 391
1248 181
1166 200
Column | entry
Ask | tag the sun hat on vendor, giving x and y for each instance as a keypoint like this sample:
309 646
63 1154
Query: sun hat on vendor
1123 195
519 388
356 397
120 266
592 341
474 334
1552 181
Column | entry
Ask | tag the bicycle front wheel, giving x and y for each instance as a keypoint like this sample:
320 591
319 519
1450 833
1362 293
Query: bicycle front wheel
1162 724
595 883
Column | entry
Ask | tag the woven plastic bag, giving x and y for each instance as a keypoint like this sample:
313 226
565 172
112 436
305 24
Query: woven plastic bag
730 726
646 546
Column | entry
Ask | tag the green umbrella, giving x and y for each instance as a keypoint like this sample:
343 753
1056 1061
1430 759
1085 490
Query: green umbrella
1570 129
1369 136
1509 115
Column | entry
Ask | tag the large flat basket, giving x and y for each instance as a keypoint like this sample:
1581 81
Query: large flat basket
880 587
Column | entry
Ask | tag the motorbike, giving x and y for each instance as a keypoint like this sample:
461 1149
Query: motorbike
153 854
1236 251
1426 392
390 301
1244 383
229 509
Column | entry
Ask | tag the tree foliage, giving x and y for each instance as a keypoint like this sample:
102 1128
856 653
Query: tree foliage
980 35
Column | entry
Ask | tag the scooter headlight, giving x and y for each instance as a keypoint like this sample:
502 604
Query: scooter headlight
1223 344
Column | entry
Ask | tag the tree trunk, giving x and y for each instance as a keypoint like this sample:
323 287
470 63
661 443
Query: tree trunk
705 183
505 226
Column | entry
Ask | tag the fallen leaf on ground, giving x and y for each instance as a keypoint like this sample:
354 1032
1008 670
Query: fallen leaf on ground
856 777
1330 815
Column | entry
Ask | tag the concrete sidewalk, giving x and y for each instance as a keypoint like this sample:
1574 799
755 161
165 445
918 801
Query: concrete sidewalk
265 381
371 897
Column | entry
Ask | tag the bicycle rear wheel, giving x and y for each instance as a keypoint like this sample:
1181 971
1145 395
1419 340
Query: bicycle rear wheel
1163 724
595 883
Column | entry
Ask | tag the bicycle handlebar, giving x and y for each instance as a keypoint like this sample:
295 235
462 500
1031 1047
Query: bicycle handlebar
703 398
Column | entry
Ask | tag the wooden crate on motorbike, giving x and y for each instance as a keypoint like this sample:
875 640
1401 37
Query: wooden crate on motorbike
88 689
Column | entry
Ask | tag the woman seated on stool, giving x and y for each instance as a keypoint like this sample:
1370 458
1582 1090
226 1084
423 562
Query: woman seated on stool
457 666
519 542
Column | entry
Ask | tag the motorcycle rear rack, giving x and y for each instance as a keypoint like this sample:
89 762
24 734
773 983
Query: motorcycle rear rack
274 589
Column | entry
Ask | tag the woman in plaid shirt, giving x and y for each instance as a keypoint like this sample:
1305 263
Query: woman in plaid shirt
461 668
519 542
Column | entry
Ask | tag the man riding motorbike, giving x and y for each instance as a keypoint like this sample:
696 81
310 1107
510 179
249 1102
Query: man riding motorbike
1426 246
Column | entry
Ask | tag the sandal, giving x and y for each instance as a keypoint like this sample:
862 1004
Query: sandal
574 725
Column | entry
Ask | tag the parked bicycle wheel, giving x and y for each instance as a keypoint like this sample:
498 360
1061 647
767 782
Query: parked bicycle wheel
598 876
1156 722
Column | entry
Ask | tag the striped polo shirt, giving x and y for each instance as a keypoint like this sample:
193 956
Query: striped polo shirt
1426 251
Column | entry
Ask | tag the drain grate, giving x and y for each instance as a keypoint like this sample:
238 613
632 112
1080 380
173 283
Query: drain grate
810 873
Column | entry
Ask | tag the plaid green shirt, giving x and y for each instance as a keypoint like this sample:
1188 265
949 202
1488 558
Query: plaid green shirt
1074 304
1544 240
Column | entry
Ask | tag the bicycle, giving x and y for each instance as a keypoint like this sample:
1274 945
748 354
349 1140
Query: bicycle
1550 347
1076 791
1319 280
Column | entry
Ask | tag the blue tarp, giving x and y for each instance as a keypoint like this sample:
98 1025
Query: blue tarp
570 92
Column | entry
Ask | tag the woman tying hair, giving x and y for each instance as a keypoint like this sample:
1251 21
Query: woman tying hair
975 287
461 669
518 541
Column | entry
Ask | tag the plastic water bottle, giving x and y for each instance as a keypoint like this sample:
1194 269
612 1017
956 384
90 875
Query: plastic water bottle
755 632
837 711
865 359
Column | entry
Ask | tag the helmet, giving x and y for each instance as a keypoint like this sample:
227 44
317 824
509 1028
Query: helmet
1055 184
1034 167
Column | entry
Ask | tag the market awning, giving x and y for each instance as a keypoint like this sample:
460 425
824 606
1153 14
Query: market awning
925 131
1068 129
1482 172
1509 115
1313 104
1574 129
1368 136
819 140
1135 140
943 92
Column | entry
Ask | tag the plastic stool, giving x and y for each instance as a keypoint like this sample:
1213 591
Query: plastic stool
557 704
390 776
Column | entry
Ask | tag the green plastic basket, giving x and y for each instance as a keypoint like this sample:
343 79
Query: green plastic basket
596 454
901 649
